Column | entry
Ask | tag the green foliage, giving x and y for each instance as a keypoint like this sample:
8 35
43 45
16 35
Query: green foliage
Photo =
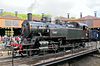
37 15
23 16
8 13
73 17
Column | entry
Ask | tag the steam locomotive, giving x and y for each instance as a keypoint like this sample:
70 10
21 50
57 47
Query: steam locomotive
53 37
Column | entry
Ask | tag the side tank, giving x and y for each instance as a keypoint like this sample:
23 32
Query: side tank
72 31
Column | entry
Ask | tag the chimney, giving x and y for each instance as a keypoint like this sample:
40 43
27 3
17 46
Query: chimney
95 13
16 13
42 17
1 11
68 15
81 15
29 16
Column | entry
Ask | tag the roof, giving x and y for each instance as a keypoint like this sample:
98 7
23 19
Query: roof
9 17
61 18
90 17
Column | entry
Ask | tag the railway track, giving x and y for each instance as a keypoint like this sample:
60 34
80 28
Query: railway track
36 59
40 59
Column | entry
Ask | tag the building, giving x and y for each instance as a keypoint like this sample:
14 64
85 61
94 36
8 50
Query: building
10 25
91 21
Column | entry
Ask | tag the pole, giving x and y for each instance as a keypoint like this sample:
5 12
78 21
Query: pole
12 48
12 32
12 56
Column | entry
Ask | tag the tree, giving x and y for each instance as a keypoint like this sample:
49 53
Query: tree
23 16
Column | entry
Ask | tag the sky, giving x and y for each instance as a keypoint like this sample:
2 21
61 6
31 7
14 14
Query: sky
53 7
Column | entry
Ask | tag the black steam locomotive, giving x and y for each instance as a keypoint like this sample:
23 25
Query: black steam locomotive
54 37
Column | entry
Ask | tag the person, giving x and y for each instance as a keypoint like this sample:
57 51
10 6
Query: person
17 47
0 38
17 39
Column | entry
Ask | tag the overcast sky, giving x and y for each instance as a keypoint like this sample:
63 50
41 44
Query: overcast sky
53 7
